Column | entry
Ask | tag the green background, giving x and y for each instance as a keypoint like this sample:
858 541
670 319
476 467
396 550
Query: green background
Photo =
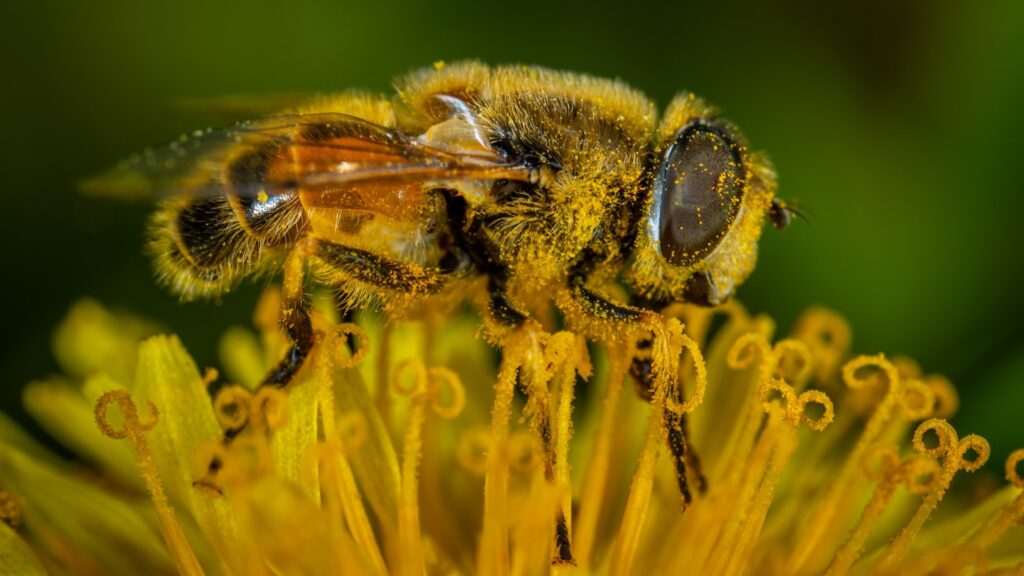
897 124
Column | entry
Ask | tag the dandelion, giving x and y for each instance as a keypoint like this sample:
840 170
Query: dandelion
412 451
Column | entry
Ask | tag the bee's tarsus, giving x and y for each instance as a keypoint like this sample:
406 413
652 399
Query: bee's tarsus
563 545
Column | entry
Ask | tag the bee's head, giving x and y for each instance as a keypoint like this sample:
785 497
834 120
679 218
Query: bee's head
698 232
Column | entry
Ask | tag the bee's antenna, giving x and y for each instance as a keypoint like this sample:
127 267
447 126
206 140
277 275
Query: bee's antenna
781 213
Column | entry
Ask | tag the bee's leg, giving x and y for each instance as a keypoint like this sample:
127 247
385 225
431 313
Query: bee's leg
343 301
297 325
683 454
603 311
500 308
295 321
379 271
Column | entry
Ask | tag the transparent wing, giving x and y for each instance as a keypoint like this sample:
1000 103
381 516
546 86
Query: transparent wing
309 151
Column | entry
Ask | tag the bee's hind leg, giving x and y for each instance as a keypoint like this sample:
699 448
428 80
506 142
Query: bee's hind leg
297 325
295 321
343 302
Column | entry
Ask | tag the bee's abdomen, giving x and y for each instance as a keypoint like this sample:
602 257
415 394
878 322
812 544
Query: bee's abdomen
204 246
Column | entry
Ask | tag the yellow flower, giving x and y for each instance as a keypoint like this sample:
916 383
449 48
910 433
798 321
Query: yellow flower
415 454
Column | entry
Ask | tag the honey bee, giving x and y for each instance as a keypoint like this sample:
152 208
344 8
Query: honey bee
515 186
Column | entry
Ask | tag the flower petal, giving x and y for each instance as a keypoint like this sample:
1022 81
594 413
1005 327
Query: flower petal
91 339
116 533
15 555
168 378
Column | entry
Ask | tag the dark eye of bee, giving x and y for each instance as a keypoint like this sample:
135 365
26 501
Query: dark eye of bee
700 186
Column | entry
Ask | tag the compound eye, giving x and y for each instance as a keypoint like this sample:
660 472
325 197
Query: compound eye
700 183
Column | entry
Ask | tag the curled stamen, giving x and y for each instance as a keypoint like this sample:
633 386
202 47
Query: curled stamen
976 444
474 445
343 332
816 397
793 361
444 380
907 368
700 384
866 371
210 376
420 380
525 453
777 390
823 328
921 474
134 430
231 406
947 400
129 413
1013 468
245 460
953 452
351 430
944 433
880 462
270 407
916 400
746 350
677 343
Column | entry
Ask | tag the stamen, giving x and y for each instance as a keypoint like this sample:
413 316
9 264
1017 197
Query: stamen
668 342
409 539
473 450
596 479
134 430
566 353
860 373
338 479
828 336
917 472
947 400
953 452
494 552
232 406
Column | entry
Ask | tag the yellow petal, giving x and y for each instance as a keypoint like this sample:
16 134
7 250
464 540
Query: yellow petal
169 379
117 532
290 444
242 358
374 461
15 555
293 534
92 339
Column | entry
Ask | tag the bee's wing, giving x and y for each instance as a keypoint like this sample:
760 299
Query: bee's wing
308 151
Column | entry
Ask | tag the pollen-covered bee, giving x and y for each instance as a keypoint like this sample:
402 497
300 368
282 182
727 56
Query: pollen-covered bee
512 186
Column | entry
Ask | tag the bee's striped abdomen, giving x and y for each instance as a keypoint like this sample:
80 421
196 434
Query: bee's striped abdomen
206 243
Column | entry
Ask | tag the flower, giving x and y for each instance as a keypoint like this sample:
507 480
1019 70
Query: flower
407 456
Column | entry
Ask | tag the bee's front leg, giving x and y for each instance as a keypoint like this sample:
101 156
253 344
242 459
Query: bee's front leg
605 317
684 456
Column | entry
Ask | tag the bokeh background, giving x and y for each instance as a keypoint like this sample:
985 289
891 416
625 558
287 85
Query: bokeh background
897 125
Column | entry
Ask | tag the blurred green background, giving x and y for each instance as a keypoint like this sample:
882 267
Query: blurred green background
897 124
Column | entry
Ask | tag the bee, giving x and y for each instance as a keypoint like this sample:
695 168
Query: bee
515 186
